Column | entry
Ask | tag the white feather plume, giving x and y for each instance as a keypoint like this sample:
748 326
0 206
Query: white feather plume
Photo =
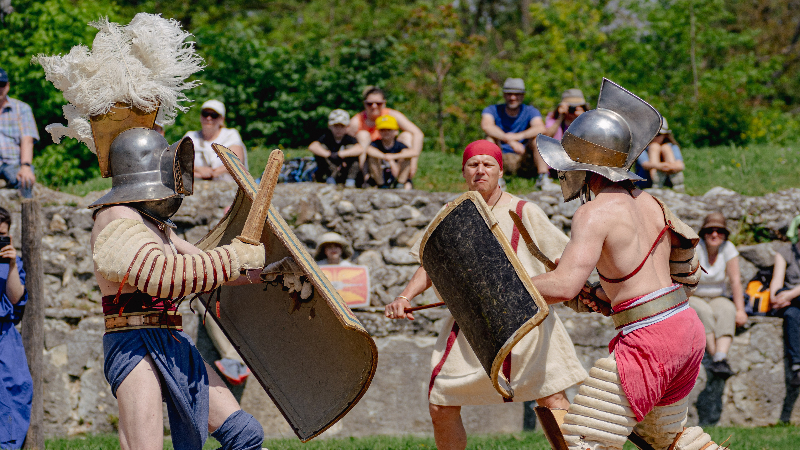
144 64
78 127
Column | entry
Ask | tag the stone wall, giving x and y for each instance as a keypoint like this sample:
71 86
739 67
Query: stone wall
382 225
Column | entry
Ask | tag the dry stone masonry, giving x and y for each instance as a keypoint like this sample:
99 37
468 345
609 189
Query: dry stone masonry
382 225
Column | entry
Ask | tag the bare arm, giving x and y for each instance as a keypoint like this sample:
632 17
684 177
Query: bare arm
491 129
783 299
418 284
355 123
375 153
14 287
735 277
25 174
416 133
536 127
351 150
579 259
319 149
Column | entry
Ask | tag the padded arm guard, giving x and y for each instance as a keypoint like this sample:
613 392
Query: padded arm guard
127 251
684 263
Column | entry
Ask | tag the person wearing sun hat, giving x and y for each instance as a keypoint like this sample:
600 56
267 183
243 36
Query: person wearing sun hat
542 365
207 165
336 152
720 261
645 257
784 296
333 248
388 163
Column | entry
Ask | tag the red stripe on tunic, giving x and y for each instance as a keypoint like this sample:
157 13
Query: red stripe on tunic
451 340
507 374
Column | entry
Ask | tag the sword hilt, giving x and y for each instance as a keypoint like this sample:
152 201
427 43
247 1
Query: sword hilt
254 226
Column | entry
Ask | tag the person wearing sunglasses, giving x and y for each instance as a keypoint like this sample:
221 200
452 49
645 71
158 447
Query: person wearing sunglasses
362 127
207 165
712 301
18 133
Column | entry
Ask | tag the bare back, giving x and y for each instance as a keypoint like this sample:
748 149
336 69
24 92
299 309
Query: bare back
632 223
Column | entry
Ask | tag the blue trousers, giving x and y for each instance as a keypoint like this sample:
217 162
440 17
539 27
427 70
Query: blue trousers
791 329
181 370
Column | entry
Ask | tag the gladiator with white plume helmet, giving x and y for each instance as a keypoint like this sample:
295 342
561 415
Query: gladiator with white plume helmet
132 74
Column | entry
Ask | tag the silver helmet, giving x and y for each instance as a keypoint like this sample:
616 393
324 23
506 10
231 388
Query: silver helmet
606 140
148 173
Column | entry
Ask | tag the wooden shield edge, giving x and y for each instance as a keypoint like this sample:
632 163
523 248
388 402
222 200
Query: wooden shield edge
533 322
248 187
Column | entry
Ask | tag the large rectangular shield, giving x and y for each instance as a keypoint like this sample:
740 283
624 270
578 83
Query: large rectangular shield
313 357
477 274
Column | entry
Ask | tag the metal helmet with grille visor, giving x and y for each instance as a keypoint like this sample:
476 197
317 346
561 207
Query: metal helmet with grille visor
148 173
606 140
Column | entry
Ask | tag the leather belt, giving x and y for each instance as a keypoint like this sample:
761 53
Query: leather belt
134 321
650 308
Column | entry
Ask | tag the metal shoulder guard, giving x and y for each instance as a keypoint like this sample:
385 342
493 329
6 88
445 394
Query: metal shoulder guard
126 251
684 262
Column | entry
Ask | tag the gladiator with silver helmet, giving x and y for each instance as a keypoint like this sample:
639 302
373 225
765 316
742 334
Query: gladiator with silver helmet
594 157
134 74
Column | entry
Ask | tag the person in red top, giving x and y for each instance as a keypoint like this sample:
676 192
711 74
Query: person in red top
647 263
362 127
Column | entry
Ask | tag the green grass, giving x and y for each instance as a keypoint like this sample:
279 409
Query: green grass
750 170
766 438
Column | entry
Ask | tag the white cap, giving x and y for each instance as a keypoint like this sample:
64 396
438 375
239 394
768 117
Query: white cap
338 116
214 105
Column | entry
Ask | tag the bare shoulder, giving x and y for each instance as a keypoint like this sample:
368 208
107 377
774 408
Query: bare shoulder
111 213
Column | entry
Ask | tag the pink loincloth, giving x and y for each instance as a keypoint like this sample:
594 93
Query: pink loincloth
658 364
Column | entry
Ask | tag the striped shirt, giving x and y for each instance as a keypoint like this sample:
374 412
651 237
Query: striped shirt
16 121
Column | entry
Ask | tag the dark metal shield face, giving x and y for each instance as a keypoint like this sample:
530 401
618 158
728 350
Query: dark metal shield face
483 283
313 357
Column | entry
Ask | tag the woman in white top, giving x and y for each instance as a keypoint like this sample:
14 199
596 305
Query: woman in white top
207 164
720 260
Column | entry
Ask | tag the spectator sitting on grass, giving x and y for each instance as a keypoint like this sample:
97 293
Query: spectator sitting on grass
784 297
662 164
333 249
207 165
387 154
363 126
336 152
514 126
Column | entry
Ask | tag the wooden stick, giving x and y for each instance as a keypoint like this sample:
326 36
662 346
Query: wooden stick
33 320
251 233
417 308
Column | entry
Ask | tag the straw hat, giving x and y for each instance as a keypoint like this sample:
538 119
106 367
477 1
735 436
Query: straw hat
332 238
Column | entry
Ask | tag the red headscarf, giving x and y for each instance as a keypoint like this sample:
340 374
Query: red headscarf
482 147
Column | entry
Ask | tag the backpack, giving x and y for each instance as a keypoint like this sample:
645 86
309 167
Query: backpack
298 170
756 296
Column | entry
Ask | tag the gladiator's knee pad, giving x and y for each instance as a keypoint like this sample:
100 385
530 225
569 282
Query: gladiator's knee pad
600 416
661 425
240 431
694 438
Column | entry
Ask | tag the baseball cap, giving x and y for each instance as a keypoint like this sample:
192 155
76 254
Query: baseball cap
3 76
514 86
214 105
386 123
664 126
573 97
338 116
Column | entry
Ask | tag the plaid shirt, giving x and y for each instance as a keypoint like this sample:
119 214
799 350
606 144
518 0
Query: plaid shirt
16 120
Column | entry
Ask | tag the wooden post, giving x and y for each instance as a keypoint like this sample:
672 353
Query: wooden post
33 320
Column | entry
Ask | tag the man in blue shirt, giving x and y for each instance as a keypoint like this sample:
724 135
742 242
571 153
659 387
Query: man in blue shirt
514 126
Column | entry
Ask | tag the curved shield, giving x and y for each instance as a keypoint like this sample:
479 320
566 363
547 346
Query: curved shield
482 281
313 357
